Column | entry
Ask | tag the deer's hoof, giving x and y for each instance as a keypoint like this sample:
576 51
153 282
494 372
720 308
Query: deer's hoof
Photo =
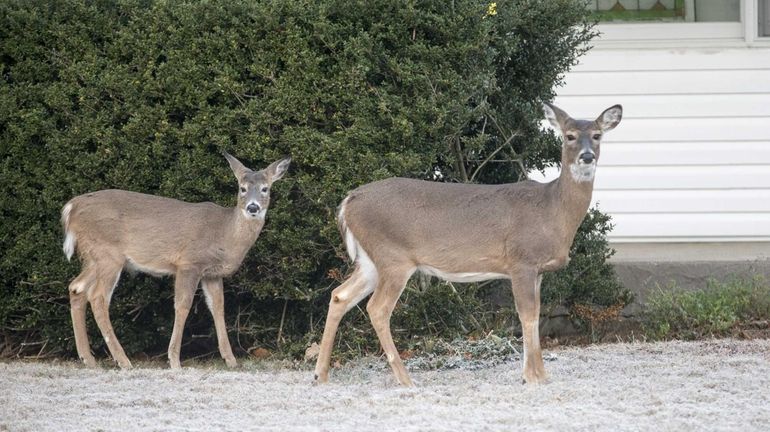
89 362
319 379
125 365
536 378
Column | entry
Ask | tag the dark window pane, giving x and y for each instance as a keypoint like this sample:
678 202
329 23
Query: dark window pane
764 18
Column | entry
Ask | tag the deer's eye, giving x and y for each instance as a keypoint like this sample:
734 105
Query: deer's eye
570 137
243 189
597 137
264 189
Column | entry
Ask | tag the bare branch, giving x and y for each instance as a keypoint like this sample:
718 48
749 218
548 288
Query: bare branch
459 158
488 159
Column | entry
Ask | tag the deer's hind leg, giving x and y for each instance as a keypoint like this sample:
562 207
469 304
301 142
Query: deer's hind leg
78 290
107 271
380 309
359 285
215 299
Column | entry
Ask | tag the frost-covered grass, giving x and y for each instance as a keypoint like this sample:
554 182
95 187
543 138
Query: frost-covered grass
705 385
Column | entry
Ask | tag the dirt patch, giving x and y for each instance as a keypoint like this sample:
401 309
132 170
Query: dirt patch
712 385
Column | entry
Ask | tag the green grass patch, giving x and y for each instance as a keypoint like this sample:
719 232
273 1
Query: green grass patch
716 310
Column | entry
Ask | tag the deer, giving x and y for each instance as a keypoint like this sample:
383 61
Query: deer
462 232
196 243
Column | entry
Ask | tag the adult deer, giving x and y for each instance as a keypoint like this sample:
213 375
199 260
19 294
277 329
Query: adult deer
114 230
465 233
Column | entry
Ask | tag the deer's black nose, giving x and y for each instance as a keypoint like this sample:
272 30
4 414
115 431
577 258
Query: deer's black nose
587 157
252 208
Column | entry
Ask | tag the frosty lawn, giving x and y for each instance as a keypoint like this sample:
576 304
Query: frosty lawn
713 385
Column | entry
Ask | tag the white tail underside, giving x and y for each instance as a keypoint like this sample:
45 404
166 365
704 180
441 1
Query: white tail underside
365 267
69 238
351 244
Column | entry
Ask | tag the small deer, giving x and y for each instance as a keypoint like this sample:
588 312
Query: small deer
465 233
114 230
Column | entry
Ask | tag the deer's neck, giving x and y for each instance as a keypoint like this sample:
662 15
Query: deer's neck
242 232
573 197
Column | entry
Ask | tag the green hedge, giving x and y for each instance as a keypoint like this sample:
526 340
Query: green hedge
145 96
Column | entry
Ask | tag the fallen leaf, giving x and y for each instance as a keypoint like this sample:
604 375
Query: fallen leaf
260 353
312 351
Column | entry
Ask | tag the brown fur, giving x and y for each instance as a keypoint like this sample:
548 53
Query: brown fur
114 230
473 228
467 232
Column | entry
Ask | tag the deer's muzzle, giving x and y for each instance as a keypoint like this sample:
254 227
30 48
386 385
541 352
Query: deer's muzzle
253 208
587 157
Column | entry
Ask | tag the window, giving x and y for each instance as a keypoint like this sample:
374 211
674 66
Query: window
764 18
666 10
681 23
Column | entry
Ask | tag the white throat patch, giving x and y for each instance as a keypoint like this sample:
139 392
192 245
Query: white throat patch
582 172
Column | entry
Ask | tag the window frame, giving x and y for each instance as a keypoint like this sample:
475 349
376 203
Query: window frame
686 34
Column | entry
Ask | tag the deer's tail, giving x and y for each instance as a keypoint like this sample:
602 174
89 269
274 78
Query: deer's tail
70 241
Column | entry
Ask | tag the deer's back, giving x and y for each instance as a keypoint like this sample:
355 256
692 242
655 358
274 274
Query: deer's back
447 206
121 207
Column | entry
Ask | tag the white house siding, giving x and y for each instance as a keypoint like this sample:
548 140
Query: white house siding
688 169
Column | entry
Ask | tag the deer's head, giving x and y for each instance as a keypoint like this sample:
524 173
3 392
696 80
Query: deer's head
582 138
254 186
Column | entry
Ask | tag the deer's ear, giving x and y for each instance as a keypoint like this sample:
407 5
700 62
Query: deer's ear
555 116
238 168
610 118
277 169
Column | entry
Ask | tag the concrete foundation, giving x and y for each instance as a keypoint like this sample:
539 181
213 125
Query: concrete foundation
644 267
642 278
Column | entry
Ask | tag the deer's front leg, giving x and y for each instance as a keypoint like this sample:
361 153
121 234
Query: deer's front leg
215 299
526 293
184 289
